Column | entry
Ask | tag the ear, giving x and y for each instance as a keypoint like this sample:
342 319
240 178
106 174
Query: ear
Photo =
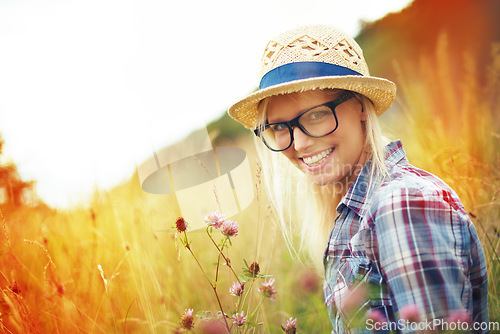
362 114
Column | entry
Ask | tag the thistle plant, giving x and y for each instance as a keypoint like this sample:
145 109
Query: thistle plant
289 327
242 317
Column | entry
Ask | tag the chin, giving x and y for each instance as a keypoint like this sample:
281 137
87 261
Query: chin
321 180
339 182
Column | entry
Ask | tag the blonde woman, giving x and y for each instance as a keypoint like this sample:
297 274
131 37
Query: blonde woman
396 241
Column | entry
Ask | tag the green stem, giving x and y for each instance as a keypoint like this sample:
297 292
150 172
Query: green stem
218 260
228 263
196 259
255 311
246 295
214 287
256 308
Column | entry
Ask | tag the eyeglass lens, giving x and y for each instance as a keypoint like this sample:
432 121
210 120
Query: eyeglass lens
316 122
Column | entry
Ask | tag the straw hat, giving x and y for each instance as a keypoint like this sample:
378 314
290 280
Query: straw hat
308 58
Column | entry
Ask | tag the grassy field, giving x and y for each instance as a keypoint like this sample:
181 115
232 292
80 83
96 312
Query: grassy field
116 265
52 281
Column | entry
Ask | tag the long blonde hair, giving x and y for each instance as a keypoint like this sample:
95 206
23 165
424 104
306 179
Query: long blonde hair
302 207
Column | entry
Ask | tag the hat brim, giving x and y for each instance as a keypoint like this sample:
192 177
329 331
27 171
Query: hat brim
380 91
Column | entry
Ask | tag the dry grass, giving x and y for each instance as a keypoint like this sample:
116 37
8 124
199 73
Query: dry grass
116 267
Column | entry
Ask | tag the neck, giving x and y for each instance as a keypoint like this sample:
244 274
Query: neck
341 187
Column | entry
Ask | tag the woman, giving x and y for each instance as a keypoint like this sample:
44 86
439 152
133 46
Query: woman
397 238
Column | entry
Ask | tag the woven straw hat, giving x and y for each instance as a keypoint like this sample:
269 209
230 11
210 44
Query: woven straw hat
308 58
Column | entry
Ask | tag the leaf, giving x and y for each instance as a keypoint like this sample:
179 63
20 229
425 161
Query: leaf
253 324
264 276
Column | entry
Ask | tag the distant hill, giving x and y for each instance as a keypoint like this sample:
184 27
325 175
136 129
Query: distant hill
225 129
470 26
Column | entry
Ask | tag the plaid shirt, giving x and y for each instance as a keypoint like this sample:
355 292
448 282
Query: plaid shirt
408 241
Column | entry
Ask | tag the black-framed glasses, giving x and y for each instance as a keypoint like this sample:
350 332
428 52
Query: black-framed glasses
318 121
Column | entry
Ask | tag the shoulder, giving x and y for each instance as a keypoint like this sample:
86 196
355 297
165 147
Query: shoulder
413 191
416 210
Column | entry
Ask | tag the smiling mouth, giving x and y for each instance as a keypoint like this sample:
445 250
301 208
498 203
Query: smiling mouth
317 159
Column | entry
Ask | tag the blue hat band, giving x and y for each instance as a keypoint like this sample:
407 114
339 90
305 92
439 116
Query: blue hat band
303 70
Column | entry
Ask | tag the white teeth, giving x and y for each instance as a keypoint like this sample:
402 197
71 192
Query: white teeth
318 158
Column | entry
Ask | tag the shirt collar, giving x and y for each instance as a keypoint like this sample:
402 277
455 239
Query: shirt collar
356 197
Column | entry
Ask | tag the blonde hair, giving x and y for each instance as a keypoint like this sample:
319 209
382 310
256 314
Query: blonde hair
302 207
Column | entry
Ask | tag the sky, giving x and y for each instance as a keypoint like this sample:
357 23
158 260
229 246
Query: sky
89 89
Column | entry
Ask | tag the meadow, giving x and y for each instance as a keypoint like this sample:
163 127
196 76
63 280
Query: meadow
117 266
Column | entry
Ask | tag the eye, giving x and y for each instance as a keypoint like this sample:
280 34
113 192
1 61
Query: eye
279 127
317 115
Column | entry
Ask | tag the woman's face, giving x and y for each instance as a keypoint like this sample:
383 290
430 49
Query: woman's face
335 158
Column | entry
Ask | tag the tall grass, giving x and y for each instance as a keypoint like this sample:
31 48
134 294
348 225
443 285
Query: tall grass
147 280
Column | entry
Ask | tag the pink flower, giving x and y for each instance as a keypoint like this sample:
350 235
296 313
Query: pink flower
376 316
410 312
212 327
215 219
289 327
236 289
239 319
353 299
268 290
187 321
459 316
309 282
229 228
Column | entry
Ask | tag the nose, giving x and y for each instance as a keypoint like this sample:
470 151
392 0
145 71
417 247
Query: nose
301 141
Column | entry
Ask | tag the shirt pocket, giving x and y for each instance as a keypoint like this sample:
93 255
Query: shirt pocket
359 288
353 270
